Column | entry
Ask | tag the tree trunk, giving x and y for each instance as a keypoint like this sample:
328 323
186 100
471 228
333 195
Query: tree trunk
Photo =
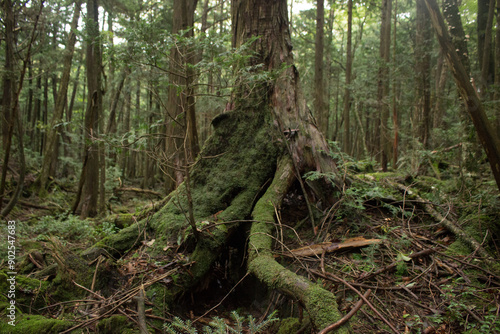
497 69
423 68
52 131
269 134
348 74
487 68
483 25
395 112
484 130
8 75
319 94
8 92
92 114
383 84
180 118
329 68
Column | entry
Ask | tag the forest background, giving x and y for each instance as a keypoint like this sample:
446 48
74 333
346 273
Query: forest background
388 98
107 104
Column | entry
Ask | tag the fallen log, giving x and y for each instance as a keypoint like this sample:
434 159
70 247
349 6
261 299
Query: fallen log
448 224
137 190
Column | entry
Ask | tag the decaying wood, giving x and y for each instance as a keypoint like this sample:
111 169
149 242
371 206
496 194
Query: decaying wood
448 224
328 247
137 190
141 314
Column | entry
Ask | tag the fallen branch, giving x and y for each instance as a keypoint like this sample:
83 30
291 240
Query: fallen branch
448 224
328 247
395 263
138 190
141 313
347 316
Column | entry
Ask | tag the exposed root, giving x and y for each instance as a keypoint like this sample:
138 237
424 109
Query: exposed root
320 303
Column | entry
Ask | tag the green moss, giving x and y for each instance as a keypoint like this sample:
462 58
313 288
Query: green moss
29 291
116 244
383 175
322 307
289 325
34 324
122 220
117 324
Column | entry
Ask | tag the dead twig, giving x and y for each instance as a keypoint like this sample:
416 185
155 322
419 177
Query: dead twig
347 316
330 275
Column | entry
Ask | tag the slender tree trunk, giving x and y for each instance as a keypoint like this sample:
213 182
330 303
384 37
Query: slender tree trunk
8 75
69 112
15 118
485 131
37 111
29 112
395 112
423 68
441 78
383 84
329 68
8 92
348 74
497 69
484 24
180 118
52 131
90 189
319 94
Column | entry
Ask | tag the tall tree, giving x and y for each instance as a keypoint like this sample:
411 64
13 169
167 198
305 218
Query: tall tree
383 84
182 135
270 133
497 68
52 132
319 84
8 73
423 68
348 74
89 179
484 129
485 10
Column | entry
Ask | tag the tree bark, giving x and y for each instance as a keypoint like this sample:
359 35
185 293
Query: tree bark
497 69
483 24
180 117
484 130
319 95
8 75
423 68
8 92
348 74
383 84
52 131
270 134
487 68
94 109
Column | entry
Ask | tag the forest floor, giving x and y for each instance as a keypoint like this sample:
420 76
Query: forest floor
378 237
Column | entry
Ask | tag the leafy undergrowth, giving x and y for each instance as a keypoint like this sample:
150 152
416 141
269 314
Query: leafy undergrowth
422 278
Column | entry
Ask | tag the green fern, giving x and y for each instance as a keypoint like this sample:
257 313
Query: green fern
218 326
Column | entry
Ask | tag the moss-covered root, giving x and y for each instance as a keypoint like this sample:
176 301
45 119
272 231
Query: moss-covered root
319 303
